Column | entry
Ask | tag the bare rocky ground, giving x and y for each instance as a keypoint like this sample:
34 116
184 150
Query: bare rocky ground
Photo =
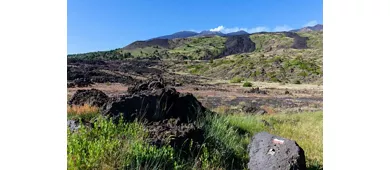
115 77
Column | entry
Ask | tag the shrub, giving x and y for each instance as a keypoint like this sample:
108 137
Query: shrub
247 84
296 82
236 79
110 145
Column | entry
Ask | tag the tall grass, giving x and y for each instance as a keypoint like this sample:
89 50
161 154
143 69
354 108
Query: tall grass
85 112
305 128
121 145
111 145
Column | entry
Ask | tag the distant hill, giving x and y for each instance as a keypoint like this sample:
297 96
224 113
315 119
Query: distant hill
181 34
318 27
210 33
187 34
237 33
213 44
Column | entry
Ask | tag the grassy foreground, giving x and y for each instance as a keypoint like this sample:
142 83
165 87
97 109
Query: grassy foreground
125 145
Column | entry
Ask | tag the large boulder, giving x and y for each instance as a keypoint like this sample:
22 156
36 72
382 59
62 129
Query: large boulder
170 116
154 101
270 152
91 97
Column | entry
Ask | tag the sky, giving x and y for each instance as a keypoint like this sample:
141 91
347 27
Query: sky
99 25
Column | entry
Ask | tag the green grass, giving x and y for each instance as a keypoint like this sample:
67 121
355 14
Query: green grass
115 146
297 65
236 79
265 41
247 84
199 47
124 145
315 39
305 128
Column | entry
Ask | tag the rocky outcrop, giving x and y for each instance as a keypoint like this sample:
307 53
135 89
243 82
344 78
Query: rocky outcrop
237 44
299 42
91 97
154 101
256 90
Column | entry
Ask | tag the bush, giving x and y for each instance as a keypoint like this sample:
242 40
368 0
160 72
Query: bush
296 82
236 79
108 145
247 84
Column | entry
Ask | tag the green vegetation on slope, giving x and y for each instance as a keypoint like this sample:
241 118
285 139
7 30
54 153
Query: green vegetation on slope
273 59
258 67
194 48
200 47
109 55
267 42
315 40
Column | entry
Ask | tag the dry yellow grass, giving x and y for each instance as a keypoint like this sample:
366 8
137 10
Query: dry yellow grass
84 109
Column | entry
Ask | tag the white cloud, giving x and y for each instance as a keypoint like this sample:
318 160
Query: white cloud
258 29
219 28
235 29
282 28
311 23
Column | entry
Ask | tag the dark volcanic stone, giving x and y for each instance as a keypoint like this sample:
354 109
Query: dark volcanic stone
270 152
299 42
70 85
256 90
170 116
236 45
82 82
169 131
253 109
154 101
249 109
91 97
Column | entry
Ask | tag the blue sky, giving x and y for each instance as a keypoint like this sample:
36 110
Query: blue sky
98 25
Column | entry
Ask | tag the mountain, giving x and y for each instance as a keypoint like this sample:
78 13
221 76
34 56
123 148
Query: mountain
181 34
187 34
237 33
318 27
210 33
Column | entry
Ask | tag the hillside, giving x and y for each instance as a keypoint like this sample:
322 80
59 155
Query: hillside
318 27
285 57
